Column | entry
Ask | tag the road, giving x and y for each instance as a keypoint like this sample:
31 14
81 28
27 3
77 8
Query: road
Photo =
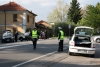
21 54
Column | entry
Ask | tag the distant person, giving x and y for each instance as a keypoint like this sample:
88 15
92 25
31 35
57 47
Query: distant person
60 39
34 34
16 35
98 31
45 34
41 35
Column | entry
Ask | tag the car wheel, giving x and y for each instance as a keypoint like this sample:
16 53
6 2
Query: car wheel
70 53
98 40
2 41
21 39
12 40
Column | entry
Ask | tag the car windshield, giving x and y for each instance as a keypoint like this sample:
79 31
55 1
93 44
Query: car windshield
7 34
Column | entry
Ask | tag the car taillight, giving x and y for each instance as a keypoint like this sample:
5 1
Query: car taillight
72 43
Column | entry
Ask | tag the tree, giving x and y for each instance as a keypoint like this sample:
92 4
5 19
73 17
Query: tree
59 13
74 13
83 11
92 17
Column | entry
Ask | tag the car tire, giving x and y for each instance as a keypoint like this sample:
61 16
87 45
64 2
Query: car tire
12 40
21 39
70 53
98 40
2 41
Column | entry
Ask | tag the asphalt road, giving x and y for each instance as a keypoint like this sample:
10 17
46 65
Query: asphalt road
16 53
21 54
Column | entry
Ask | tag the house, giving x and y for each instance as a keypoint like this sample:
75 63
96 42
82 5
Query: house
44 26
15 17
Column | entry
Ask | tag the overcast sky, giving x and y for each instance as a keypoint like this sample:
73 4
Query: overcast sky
43 7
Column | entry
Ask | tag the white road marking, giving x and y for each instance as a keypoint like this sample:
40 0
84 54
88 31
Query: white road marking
12 46
35 59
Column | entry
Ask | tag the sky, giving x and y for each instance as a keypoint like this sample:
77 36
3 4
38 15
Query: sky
43 7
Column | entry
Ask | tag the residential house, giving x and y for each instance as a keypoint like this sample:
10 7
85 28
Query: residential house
44 26
13 16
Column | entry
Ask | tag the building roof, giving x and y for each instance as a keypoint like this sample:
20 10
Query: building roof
44 23
13 6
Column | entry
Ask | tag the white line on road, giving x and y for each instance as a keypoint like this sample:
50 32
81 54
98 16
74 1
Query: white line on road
12 46
35 59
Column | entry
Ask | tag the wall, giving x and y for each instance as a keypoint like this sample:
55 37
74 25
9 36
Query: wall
10 24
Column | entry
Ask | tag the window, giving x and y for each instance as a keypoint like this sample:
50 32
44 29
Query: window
28 18
14 17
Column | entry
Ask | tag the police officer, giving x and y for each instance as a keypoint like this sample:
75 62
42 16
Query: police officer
60 39
34 34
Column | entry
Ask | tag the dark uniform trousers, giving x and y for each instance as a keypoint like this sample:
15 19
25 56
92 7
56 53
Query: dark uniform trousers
34 43
60 45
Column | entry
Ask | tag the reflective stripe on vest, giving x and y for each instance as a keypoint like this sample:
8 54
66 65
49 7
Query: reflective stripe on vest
62 35
34 34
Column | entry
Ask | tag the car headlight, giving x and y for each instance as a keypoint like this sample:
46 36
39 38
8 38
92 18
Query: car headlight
3 37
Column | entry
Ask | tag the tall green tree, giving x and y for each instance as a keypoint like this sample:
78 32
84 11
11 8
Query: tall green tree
92 17
74 13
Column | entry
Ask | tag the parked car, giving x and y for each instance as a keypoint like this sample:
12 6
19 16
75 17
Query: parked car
25 36
81 41
7 36
96 39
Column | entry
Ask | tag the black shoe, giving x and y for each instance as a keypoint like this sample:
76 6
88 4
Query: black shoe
61 50
34 48
58 50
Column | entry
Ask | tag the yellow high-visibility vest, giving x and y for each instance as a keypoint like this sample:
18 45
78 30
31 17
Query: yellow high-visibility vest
34 34
62 35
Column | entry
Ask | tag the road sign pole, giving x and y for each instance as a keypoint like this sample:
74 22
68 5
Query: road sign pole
69 26
69 31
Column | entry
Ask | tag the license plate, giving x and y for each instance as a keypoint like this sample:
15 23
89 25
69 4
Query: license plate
82 50
8 40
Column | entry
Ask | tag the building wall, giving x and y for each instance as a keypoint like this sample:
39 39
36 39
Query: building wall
2 20
30 24
10 24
